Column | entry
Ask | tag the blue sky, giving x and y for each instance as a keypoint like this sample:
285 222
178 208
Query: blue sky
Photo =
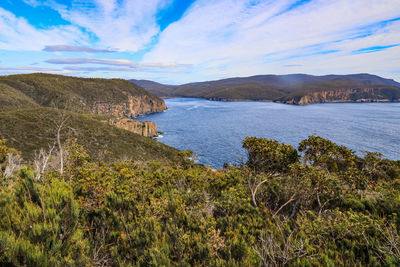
179 41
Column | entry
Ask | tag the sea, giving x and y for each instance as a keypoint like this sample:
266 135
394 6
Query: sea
215 130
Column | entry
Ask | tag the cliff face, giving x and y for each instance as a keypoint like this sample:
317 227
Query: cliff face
345 95
116 97
134 106
146 128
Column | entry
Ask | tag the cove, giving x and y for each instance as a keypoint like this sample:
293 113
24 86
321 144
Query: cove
215 130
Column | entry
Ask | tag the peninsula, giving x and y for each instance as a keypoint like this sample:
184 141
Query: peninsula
298 89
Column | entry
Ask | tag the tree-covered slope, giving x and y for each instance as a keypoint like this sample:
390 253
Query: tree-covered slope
284 88
320 205
29 130
30 106
155 88
11 98
83 94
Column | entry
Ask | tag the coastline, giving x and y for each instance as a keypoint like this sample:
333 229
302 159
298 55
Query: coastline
285 102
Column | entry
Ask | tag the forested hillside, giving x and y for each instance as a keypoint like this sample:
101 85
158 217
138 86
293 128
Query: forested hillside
101 96
289 89
39 110
320 205
30 130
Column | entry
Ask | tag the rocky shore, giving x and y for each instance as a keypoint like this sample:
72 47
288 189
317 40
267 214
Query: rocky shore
133 107
342 96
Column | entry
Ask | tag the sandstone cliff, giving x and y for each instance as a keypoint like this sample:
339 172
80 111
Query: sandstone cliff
344 95
146 128
132 107
119 98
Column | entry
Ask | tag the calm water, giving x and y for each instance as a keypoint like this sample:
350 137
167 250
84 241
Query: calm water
215 130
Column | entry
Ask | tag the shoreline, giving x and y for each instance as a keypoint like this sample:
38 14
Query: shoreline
280 102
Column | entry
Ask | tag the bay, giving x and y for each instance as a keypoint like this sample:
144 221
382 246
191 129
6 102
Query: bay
214 130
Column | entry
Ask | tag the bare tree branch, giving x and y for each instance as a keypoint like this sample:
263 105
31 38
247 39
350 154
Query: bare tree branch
13 163
287 202
41 160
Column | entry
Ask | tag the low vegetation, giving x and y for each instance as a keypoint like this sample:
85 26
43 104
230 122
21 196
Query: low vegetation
29 130
78 94
40 110
320 204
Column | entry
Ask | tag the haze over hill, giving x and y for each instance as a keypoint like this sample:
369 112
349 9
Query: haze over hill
291 89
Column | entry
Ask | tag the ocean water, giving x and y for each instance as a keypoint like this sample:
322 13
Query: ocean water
215 130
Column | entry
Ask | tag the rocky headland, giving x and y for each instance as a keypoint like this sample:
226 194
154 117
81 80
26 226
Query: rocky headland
133 107
343 95
298 89
118 99
145 128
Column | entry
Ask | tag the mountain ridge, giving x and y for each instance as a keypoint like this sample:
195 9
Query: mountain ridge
99 112
281 88
83 94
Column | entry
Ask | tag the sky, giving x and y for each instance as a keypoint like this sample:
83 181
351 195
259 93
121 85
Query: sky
180 41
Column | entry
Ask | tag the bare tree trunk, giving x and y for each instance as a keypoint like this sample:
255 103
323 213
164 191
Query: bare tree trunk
255 182
13 163
60 148
41 160
60 123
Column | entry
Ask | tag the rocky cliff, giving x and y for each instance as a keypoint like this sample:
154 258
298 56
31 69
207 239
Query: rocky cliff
385 94
119 98
146 128
132 107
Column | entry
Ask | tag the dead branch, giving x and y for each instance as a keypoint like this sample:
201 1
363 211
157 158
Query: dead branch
13 163
41 160
287 202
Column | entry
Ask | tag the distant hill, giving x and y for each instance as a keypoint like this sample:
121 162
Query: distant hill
97 109
290 89
157 89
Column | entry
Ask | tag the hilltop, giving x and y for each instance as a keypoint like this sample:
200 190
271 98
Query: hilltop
88 95
289 89
98 113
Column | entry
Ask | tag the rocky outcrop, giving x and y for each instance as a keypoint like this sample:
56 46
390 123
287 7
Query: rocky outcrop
145 128
134 106
344 95
118 98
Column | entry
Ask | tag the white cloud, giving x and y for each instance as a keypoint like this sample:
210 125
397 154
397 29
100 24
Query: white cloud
219 38
30 69
249 39
114 62
118 69
117 25
17 34
124 25
75 48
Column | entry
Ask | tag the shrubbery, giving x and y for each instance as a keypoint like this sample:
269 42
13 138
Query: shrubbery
321 205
